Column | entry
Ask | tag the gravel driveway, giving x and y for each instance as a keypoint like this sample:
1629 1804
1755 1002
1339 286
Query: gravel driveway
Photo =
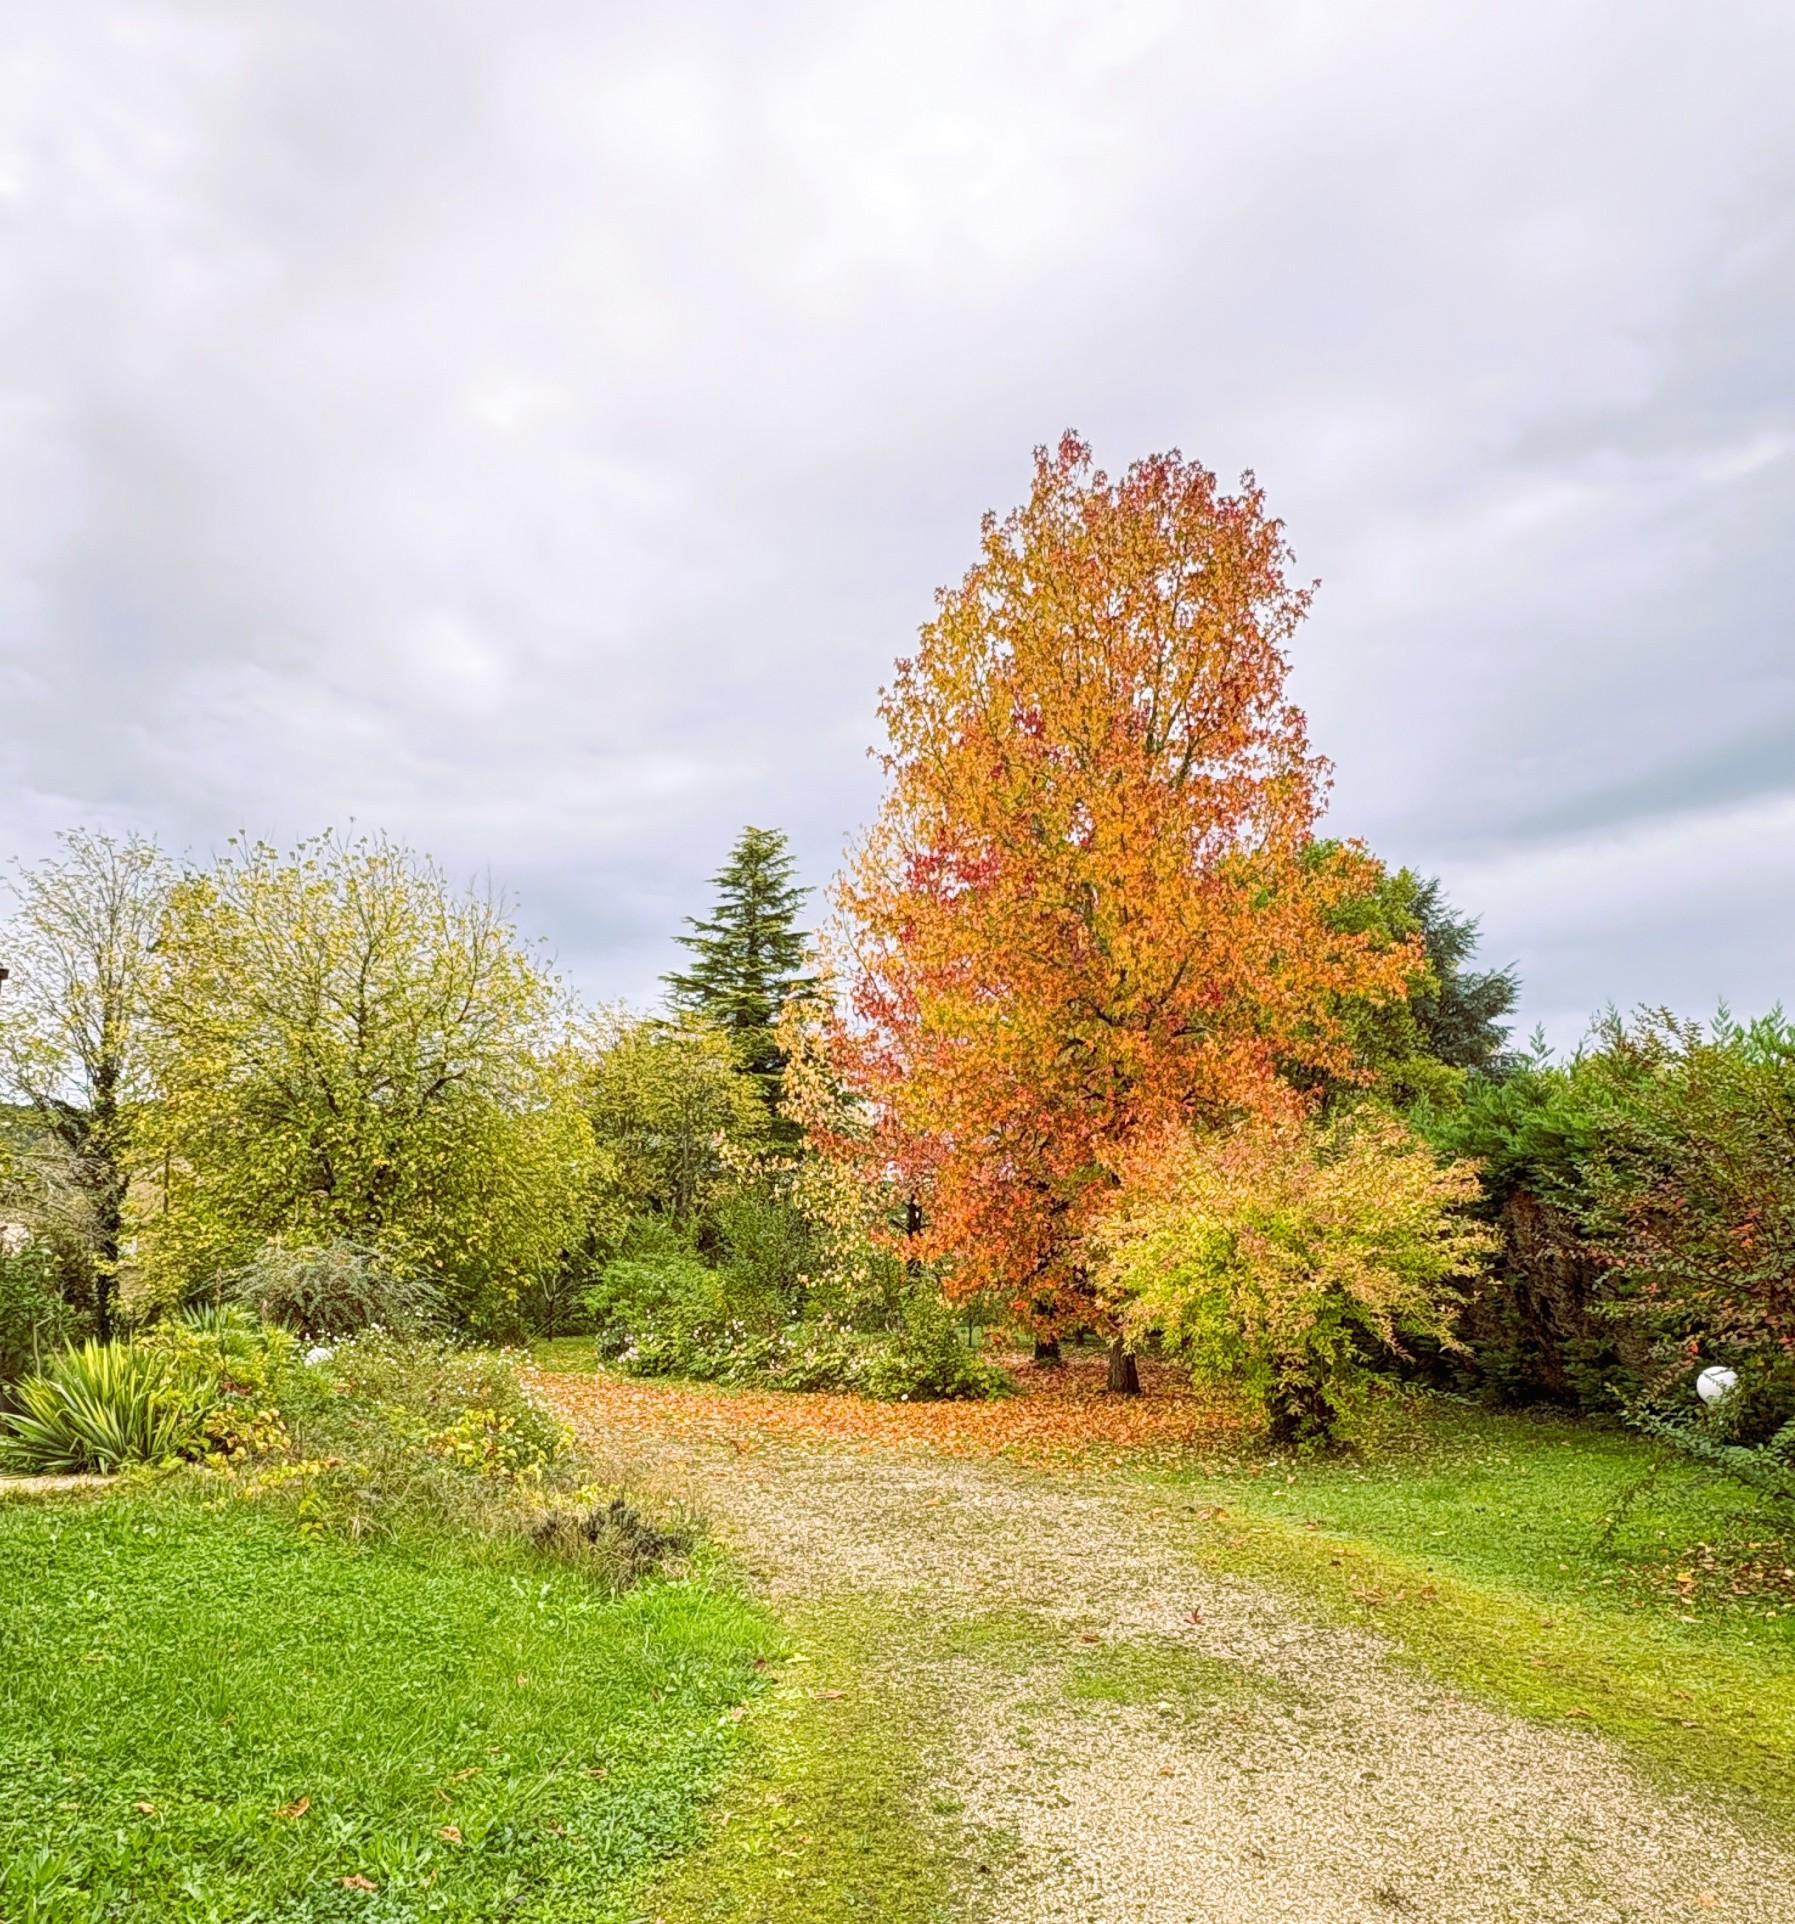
1154 1743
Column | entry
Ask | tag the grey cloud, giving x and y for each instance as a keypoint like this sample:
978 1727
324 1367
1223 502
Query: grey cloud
536 430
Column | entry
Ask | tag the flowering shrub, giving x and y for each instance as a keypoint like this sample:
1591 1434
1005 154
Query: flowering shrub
467 1408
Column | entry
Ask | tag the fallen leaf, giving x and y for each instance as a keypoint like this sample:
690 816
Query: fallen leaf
1089 1636
1709 1900
473 1770
588 1771
149 1810
451 1833
1062 1416
356 1882
523 1682
1576 1713
1165 1770
829 1693
295 1810
1196 1616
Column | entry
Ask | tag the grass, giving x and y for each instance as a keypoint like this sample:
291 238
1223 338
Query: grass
574 1353
206 1713
830 1816
1567 1569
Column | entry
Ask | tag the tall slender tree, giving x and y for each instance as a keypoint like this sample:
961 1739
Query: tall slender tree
748 956
74 1022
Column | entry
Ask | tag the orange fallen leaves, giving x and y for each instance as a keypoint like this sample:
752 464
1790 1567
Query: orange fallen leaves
296 1809
1059 1417
356 1882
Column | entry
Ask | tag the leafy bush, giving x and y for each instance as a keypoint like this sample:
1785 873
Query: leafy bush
1645 1191
105 1405
35 1318
668 1314
925 1360
1711 1437
1540 1327
337 1290
1692 1183
1274 1258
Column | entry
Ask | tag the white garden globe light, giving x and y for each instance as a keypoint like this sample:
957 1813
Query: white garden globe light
1714 1383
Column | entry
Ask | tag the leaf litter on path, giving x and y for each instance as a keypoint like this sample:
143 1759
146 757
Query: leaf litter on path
1214 1755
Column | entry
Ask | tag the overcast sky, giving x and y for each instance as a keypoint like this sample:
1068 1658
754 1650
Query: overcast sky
534 428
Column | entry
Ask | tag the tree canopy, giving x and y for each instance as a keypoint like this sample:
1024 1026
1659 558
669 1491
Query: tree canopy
347 1049
74 1024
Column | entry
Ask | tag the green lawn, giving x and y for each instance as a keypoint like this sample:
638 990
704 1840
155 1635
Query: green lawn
1569 1568
206 1715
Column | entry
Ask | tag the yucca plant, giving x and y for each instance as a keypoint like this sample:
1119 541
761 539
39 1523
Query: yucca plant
100 1406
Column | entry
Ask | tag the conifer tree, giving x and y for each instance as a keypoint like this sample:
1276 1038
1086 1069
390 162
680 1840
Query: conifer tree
748 955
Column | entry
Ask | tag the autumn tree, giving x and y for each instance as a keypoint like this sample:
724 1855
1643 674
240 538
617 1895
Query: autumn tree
348 1050
73 1030
1092 904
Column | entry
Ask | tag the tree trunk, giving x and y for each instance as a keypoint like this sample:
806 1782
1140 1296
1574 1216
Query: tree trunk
1124 1372
1301 1411
1047 1352
109 1226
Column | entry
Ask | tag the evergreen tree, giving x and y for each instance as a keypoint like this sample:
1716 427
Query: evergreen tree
748 954
1462 1018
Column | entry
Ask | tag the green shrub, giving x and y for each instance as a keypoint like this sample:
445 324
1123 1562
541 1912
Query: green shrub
105 1405
927 1360
35 1317
665 1313
337 1290
769 1255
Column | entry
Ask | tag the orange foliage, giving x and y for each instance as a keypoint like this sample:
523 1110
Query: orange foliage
1093 905
1059 1417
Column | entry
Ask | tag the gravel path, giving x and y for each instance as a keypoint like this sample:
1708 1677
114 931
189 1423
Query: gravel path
1162 1745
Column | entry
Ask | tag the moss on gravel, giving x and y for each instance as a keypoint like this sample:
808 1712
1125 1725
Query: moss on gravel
837 1810
1699 1714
